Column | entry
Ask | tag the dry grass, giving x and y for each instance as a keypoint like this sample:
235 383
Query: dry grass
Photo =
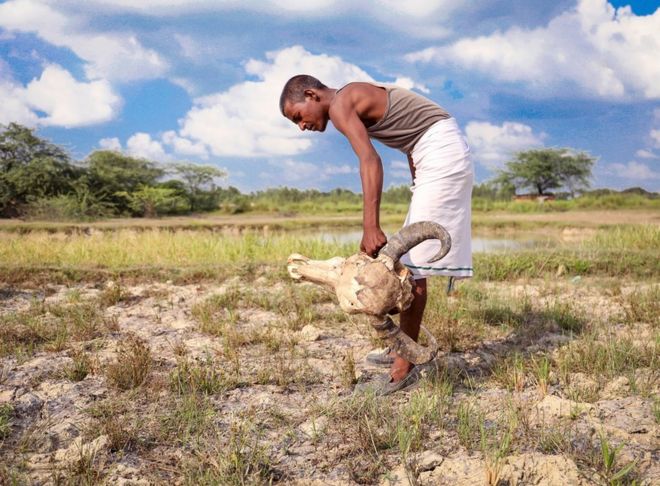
237 395
132 365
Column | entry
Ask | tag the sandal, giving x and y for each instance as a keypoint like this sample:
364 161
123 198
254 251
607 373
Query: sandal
385 386
380 357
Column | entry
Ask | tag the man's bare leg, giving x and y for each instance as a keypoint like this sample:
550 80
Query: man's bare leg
410 322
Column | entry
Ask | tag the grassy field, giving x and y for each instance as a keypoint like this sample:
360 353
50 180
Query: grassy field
179 351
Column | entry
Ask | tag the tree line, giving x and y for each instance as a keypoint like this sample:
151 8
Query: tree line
39 179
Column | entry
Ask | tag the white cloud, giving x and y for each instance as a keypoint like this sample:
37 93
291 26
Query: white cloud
111 143
245 120
409 83
113 56
63 100
142 145
305 174
633 170
70 103
14 106
332 170
645 154
605 52
295 171
492 145
655 137
419 18
400 170
183 146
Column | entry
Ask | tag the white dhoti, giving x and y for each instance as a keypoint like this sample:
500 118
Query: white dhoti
442 192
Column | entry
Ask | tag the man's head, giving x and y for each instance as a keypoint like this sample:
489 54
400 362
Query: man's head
302 101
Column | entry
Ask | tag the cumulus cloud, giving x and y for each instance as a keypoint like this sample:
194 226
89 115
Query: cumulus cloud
645 154
492 144
634 171
14 105
110 143
655 137
56 94
245 120
606 52
420 18
409 83
110 55
70 103
183 146
142 145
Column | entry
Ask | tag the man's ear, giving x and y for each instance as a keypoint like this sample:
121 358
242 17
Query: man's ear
312 94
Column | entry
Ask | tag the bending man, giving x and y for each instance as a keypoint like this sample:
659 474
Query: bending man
441 170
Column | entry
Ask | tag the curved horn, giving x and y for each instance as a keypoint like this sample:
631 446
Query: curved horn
402 344
412 235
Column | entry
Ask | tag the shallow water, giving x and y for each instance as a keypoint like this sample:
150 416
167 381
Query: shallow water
480 244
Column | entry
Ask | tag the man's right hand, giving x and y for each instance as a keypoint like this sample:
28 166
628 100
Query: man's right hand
373 239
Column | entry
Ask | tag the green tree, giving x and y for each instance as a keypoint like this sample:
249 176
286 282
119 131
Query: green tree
547 168
151 201
199 180
31 168
113 175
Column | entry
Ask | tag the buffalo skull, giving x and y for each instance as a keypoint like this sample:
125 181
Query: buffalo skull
377 286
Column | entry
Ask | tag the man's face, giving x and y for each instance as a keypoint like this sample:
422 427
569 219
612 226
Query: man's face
307 114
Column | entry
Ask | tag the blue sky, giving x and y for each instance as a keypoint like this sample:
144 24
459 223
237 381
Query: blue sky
199 80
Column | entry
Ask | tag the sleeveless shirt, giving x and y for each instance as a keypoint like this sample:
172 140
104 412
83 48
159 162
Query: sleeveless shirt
406 118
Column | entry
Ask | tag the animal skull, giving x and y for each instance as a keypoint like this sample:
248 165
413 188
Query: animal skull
377 286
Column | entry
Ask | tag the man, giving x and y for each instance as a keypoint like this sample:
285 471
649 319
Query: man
440 166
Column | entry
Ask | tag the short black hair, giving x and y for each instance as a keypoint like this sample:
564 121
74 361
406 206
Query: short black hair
294 89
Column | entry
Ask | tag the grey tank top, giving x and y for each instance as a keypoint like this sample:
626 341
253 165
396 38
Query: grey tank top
407 117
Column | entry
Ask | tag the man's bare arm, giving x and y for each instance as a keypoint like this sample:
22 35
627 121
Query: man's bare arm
346 120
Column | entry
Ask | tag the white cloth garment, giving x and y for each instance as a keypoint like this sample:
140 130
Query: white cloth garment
442 192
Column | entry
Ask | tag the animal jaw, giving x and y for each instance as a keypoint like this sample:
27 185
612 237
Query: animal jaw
376 286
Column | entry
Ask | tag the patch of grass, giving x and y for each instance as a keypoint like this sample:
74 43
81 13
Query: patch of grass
368 426
469 421
541 374
114 419
613 473
6 414
80 366
202 377
607 356
85 470
643 306
510 372
234 459
132 364
286 368
494 447
565 316
189 419
112 294
50 327
346 370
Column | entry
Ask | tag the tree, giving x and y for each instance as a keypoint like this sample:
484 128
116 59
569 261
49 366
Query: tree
547 168
112 175
31 168
150 201
196 177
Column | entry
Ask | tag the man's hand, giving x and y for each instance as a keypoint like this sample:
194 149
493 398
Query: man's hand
373 239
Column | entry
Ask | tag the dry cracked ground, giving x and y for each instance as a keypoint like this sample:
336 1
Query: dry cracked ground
549 382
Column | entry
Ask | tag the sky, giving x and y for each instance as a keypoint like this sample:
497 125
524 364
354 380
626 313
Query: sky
199 80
